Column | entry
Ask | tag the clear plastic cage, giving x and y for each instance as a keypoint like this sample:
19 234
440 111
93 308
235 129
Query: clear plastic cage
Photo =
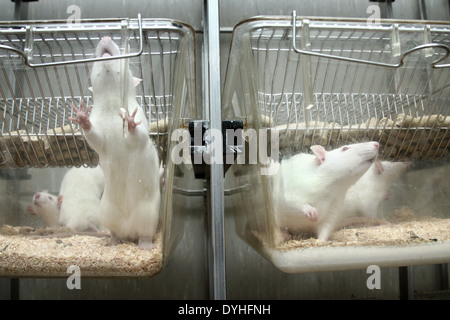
45 70
301 82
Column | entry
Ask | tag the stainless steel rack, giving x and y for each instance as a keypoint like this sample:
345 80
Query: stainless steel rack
279 109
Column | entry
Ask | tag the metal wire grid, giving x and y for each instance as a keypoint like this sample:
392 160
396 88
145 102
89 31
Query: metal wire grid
41 115
359 106
299 92
283 70
35 103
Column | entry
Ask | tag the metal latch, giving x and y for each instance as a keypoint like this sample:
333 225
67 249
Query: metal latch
208 146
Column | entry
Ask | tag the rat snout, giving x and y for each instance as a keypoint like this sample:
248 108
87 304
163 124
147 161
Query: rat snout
370 151
36 198
107 47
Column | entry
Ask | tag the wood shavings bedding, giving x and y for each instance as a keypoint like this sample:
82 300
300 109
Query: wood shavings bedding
22 255
403 228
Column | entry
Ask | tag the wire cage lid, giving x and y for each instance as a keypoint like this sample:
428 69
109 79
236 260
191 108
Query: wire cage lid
337 81
46 68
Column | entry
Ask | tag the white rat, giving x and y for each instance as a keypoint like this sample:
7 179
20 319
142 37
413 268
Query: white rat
365 196
78 203
309 190
79 198
130 204
45 206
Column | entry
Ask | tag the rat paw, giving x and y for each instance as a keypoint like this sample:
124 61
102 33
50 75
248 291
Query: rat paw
82 117
130 121
31 210
113 239
146 243
26 230
310 212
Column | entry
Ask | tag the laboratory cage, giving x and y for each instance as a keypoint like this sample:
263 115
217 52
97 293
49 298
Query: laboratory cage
302 82
45 69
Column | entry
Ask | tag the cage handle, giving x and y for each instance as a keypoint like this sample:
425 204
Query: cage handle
27 55
434 64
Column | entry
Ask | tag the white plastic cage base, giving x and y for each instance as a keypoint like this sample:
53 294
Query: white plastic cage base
352 258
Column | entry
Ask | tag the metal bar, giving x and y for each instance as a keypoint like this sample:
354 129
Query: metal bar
14 289
215 183
389 11
422 10
434 64
202 192
27 56
406 283
443 271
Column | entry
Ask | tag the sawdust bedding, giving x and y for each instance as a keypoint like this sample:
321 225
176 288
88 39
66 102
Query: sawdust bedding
403 227
28 252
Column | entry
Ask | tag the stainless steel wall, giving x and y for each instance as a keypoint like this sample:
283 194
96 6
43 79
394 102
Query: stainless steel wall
231 11
249 276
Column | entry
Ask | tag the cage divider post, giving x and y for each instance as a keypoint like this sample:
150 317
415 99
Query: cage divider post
406 283
215 181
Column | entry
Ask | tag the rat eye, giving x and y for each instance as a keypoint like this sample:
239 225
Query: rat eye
344 148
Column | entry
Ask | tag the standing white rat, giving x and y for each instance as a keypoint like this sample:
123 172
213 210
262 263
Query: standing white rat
78 203
79 198
365 196
309 190
128 158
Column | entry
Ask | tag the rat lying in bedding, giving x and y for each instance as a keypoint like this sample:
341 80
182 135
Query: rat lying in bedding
75 208
309 189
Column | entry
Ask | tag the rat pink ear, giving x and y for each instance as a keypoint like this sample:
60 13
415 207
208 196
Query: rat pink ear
136 81
60 199
320 153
